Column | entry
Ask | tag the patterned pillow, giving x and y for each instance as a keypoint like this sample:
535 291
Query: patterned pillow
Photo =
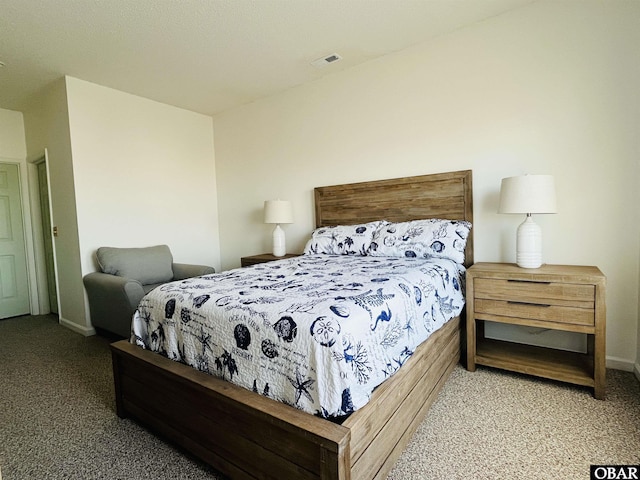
342 239
422 238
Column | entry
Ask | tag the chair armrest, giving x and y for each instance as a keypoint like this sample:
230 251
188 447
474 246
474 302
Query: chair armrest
112 301
182 271
103 285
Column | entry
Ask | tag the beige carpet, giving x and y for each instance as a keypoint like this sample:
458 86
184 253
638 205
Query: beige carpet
58 421
497 425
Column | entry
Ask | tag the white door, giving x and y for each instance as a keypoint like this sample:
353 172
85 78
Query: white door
14 287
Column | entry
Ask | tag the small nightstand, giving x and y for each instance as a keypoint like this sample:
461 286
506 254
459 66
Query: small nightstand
559 297
263 258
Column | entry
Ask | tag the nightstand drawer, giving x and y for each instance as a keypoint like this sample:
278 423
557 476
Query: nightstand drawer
536 311
545 293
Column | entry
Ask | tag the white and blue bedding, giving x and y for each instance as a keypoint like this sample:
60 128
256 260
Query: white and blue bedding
318 332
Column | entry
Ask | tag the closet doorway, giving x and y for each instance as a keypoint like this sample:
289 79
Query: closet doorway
47 229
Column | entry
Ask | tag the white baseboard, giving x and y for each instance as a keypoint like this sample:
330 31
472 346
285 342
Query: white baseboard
616 363
81 329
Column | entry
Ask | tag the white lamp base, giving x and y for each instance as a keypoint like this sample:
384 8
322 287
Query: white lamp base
529 244
279 243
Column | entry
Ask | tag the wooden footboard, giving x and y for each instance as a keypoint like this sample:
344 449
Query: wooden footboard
247 436
236 431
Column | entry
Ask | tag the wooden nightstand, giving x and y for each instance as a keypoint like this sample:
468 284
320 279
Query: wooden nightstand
264 257
558 297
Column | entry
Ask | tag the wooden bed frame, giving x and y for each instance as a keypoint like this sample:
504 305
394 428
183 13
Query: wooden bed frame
247 436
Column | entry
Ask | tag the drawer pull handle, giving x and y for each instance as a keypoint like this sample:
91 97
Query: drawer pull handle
529 281
545 305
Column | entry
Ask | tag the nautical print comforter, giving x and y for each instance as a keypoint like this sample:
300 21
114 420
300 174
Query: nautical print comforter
318 332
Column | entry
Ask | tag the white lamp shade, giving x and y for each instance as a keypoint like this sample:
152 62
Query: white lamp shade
528 194
278 211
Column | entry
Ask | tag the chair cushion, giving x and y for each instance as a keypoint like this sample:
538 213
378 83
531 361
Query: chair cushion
147 265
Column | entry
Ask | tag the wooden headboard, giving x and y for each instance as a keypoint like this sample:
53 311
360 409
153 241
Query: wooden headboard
441 195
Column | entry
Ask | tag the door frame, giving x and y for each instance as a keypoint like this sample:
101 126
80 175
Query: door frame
40 301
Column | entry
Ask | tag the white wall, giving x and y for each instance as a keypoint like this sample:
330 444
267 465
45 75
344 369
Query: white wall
12 142
549 88
144 174
46 121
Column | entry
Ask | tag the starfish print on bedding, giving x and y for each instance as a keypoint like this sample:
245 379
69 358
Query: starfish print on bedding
302 386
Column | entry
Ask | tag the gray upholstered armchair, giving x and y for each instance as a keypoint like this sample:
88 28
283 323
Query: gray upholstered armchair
126 275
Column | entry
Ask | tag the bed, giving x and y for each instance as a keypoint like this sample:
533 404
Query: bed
247 435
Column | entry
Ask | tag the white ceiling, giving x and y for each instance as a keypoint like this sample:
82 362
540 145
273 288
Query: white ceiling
210 55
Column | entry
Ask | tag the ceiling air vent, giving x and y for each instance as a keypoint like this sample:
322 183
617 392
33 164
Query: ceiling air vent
324 61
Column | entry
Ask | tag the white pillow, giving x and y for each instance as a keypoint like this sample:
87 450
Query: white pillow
342 239
422 238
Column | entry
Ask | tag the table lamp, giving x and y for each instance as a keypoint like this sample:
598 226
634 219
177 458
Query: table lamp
528 194
278 212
